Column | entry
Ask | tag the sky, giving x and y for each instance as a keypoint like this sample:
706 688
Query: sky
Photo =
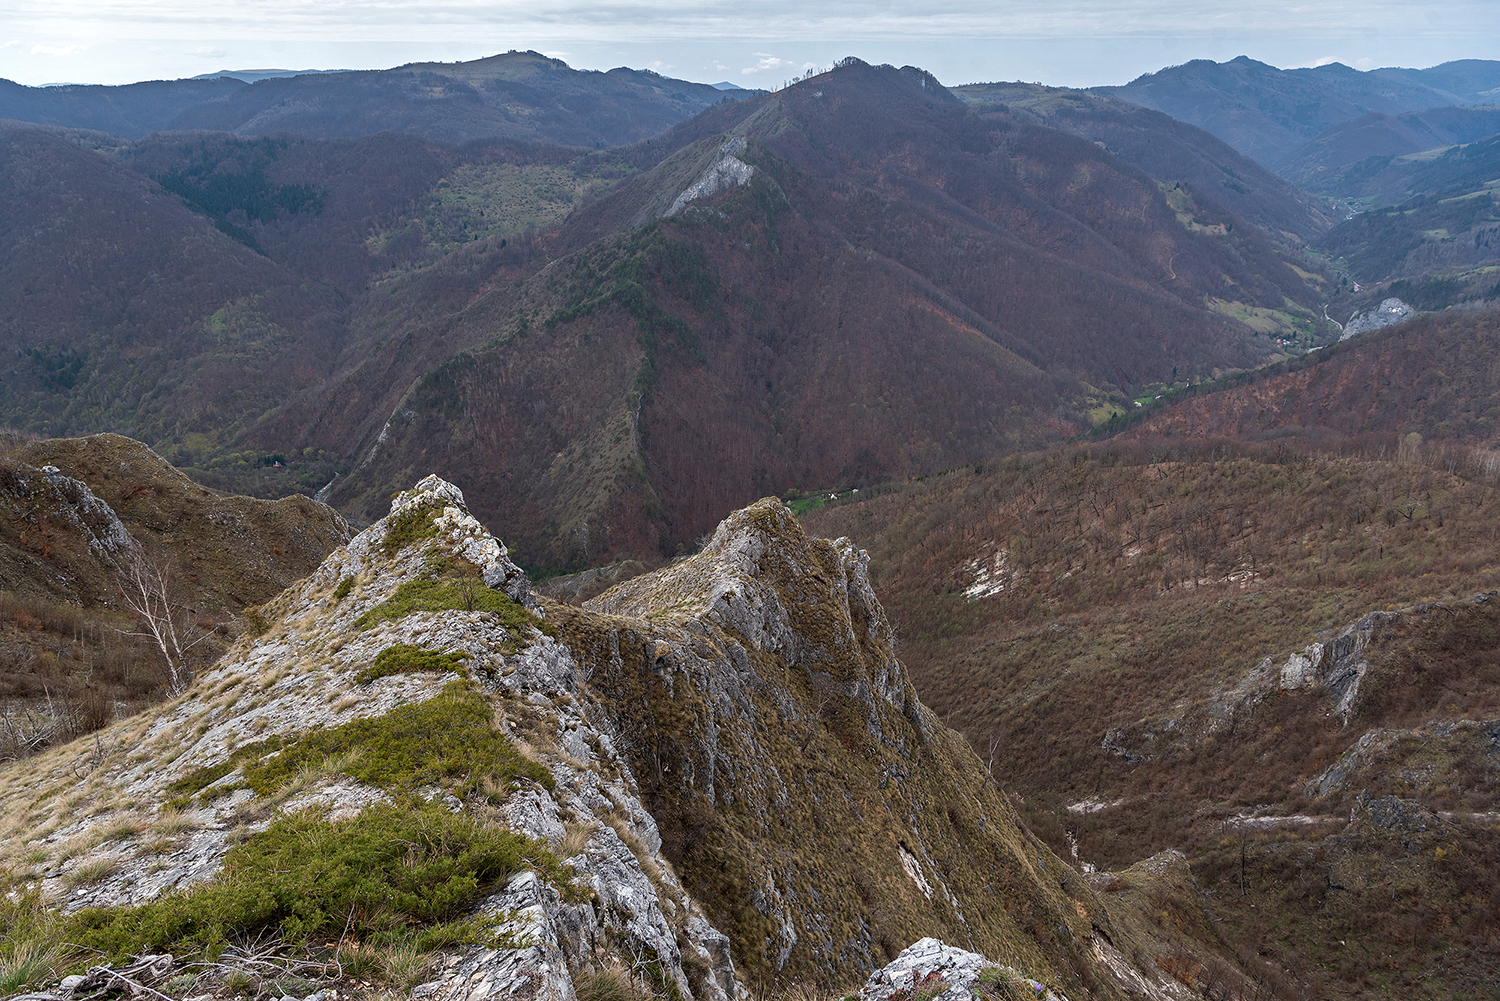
751 43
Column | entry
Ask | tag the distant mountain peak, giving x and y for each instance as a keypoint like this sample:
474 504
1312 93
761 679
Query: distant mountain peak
254 76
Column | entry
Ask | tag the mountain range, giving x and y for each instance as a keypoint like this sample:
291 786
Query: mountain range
390 303
517 95
1079 455
1269 113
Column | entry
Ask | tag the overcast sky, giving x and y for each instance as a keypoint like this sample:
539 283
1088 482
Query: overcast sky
757 43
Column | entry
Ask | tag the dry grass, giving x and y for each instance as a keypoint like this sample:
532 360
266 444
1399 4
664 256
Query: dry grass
612 982
87 873
575 839
171 822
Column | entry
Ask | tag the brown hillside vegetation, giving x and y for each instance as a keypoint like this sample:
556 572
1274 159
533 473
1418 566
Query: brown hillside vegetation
1169 150
122 309
1120 594
1437 376
903 285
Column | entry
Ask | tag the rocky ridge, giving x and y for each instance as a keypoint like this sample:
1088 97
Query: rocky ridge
725 757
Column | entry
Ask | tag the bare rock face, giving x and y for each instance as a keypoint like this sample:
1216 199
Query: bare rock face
54 529
1331 669
70 506
930 969
302 675
784 753
727 171
734 767
1388 312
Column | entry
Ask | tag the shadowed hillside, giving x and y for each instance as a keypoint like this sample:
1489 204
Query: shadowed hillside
1364 158
132 111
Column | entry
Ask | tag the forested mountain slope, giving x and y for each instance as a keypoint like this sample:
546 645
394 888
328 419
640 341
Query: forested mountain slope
898 285
853 279
1168 150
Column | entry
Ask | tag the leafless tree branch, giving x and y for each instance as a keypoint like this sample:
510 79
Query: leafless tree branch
146 587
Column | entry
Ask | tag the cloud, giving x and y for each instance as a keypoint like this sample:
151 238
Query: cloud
767 62
208 52
54 50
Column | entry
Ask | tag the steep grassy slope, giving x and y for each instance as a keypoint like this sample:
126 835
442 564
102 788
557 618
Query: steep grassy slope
727 742
231 551
1123 632
72 514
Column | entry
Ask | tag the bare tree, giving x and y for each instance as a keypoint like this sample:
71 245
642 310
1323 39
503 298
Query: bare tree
146 587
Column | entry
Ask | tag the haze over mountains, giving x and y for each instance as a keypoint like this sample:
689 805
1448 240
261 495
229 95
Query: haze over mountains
1269 113
518 95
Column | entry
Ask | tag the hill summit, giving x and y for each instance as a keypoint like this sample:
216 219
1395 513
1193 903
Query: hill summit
714 776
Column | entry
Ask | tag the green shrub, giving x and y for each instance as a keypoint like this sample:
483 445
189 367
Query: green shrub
342 591
433 594
392 866
403 658
256 620
411 525
449 739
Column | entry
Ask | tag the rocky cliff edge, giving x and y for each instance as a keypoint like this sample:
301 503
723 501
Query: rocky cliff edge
711 776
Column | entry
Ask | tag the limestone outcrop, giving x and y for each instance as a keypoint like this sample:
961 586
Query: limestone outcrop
1331 669
725 761
1388 312
725 172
